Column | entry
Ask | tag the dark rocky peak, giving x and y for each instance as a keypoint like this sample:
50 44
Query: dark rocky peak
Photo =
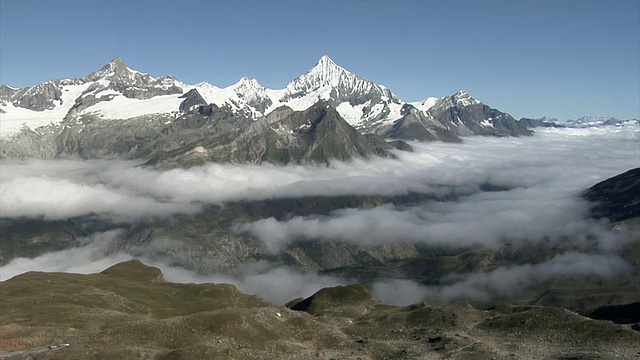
115 68
323 116
192 100
7 92
460 99
117 65
616 198
407 109
467 116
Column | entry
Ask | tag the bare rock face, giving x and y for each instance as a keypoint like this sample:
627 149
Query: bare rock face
617 198
420 126
192 99
316 135
39 143
467 116
6 93
40 97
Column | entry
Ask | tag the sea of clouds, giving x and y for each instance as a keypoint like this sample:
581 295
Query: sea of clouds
539 180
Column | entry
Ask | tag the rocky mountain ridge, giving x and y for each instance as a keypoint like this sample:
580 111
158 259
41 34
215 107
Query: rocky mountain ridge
72 109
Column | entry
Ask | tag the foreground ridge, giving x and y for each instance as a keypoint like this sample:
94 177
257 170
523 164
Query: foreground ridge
124 312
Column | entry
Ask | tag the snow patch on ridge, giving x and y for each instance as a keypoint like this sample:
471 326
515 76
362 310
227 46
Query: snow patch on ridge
426 104
15 117
352 114
121 107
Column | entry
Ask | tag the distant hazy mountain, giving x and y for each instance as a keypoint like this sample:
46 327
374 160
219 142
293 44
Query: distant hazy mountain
123 112
587 121
544 121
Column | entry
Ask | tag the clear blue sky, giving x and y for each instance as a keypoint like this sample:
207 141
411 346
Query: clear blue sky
530 58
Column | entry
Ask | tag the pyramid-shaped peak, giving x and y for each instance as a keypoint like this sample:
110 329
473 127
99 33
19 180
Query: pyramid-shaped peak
326 72
326 60
327 65
116 65
117 61
327 80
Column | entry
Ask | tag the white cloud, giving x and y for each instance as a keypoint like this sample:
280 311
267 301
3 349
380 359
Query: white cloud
502 282
94 257
544 176
541 177
557 162
277 284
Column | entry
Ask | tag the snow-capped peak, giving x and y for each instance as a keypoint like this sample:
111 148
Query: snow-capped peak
205 85
326 62
247 85
328 81
325 73
462 98
115 68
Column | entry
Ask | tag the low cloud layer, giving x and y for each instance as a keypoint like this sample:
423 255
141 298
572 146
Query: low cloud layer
559 162
277 284
90 258
280 284
502 282
538 178
480 220
536 185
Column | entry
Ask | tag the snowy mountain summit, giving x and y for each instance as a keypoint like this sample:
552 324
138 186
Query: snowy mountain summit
328 81
131 83
118 94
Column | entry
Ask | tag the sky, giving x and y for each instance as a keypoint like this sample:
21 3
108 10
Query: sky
564 59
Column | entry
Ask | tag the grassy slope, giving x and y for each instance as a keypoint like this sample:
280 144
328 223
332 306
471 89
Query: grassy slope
128 311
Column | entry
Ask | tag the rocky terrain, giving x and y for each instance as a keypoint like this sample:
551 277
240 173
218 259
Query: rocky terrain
129 311
327 113
618 198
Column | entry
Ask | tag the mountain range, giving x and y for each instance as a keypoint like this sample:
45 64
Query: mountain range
327 113
585 121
